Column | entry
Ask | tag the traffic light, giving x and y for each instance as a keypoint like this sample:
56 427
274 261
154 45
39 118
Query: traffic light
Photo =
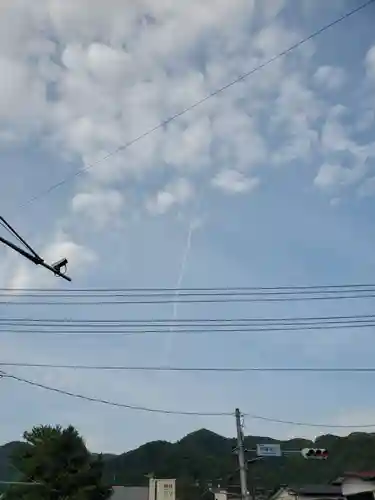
315 453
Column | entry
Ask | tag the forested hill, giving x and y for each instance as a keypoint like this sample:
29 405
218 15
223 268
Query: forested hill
203 457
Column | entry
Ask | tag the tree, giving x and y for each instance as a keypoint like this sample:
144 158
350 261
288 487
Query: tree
57 466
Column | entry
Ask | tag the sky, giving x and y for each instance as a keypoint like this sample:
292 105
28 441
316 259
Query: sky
269 183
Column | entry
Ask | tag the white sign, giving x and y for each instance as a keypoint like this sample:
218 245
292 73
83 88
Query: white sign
268 450
165 489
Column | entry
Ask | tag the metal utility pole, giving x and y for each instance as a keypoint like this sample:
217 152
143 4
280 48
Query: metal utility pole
241 457
30 254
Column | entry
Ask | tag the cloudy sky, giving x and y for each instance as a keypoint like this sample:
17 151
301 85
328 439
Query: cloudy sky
269 183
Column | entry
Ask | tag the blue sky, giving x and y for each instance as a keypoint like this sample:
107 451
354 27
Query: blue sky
275 176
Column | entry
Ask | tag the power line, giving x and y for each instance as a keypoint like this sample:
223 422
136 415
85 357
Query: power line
67 326
211 327
112 403
111 333
12 291
201 101
176 412
181 300
133 322
191 369
307 424
5 224
123 292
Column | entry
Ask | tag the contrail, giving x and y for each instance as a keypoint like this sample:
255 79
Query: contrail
183 266
181 275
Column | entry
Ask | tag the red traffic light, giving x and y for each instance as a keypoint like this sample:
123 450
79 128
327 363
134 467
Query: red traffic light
315 453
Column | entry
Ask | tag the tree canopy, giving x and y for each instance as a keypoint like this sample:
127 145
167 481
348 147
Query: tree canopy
56 465
198 460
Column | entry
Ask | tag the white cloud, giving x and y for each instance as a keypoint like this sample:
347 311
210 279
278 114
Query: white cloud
330 77
22 94
272 8
188 147
88 79
336 140
110 78
328 175
333 175
101 205
26 275
274 38
296 112
232 182
370 63
177 193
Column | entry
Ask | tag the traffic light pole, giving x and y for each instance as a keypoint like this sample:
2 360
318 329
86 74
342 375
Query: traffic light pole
241 457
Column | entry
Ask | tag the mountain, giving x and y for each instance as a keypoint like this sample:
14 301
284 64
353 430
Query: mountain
203 456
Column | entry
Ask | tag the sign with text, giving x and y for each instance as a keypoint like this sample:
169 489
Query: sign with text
165 489
268 450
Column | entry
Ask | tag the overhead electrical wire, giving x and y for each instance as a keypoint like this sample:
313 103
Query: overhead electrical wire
176 412
183 321
4 225
171 291
182 300
112 333
112 403
188 326
214 369
317 296
144 296
156 296
308 424
165 122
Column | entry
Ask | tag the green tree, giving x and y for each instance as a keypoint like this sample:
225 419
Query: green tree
57 466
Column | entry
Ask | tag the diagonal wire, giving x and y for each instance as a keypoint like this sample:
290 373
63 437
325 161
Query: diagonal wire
176 412
201 101
112 403
5 224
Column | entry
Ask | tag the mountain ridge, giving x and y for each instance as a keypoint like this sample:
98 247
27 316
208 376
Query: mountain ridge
203 457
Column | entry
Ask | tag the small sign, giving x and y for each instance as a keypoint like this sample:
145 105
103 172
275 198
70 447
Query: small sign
268 450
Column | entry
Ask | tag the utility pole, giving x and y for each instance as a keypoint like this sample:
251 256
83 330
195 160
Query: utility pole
241 457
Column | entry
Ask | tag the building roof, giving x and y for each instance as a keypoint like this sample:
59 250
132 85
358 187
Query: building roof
365 475
323 490
130 493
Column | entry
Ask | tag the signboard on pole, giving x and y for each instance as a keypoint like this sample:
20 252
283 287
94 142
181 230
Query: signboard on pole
268 450
165 489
